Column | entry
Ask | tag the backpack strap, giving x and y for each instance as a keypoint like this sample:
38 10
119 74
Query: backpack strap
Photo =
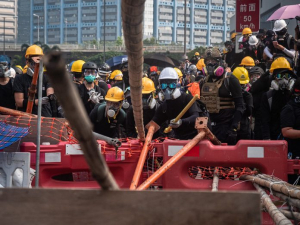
100 112
270 97
289 41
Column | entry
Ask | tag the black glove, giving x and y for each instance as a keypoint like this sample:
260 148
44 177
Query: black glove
231 137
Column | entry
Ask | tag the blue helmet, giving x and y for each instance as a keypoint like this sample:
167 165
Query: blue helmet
5 64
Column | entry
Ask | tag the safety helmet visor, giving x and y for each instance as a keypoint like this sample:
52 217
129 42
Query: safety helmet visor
164 84
90 72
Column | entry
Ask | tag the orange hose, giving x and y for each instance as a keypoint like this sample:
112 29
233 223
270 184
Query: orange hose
32 89
14 112
171 161
141 162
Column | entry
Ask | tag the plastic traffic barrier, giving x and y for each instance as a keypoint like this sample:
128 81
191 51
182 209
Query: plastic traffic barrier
64 166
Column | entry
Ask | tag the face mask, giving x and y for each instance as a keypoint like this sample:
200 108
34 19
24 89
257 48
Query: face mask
149 103
90 78
246 87
30 72
215 70
280 84
4 72
169 94
125 104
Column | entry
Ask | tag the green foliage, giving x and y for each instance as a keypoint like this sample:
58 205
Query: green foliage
96 58
17 60
151 41
200 49
119 41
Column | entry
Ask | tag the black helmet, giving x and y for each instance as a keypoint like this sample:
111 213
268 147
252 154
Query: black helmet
104 68
256 70
89 65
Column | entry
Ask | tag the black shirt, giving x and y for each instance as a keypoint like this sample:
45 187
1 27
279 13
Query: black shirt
7 98
21 84
170 109
103 86
290 117
84 95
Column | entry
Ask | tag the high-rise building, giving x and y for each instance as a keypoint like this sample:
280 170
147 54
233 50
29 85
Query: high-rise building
78 21
8 21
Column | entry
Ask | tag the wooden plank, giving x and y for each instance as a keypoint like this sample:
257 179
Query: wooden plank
78 207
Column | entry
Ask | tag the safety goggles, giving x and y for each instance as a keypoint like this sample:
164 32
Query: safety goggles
90 71
170 85
3 64
283 75
114 105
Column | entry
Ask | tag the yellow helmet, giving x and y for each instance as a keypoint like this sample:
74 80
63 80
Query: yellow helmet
148 86
241 73
77 66
178 71
233 35
114 94
44 69
247 61
197 53
116 75
25 69
280 63
200 64
33 50
246 31
20 67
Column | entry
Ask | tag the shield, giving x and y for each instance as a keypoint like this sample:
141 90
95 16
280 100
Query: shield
286 12
156 59
117 61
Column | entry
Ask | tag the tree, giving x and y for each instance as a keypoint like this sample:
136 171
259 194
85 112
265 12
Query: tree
119 41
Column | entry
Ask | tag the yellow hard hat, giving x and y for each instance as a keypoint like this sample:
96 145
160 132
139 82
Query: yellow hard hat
233 35
247 61
116 75
280 63
200 64
197 53
114 94
33 50
25 69
148 86
246 31
20 67
44 69
77 66
178 71
241 73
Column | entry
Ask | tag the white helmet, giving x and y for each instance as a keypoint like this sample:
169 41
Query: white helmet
253 40
168 73
240 39
279 25
12 73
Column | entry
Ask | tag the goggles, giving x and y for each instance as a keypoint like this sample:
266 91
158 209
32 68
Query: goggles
283 75
114 105
3 64
90 71
170 85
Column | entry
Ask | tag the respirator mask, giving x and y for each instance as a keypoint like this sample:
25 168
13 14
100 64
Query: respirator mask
169 90
90 75
283 81
281 35
31 64
112 109
148 101
4 70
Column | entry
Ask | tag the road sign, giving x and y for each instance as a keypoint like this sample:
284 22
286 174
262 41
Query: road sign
247 15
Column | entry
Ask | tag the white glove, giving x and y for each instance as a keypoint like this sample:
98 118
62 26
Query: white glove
174 124
45 100
95 97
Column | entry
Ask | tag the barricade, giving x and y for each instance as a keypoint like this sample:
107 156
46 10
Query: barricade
9 163
269 157
64 166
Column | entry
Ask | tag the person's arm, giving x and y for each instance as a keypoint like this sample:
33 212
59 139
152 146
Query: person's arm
287 122
289 132
268 53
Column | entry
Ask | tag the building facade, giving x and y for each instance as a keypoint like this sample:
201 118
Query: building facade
79 21
8 21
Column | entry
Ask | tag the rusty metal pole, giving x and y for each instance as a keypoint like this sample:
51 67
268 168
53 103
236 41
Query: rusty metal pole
75 113
141 162
172 161
215 182
14 112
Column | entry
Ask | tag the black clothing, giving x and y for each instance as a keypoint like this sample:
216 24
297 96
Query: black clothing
119 84
103 125
290 117
21 84
230 59
147 117
245 131
260 53
169 109
230 88
7 98
288 42
258 88
103 85
270 116
84 95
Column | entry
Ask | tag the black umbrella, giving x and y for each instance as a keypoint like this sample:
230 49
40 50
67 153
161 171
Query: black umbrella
156 59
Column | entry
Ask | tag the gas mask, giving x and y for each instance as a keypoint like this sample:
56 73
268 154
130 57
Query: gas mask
31 64
281 35
148 102
4 70
214 70
281 84
169 90
246 87
254 78
112 109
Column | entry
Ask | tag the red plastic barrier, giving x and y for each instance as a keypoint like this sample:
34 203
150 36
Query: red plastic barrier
270 157
65 158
